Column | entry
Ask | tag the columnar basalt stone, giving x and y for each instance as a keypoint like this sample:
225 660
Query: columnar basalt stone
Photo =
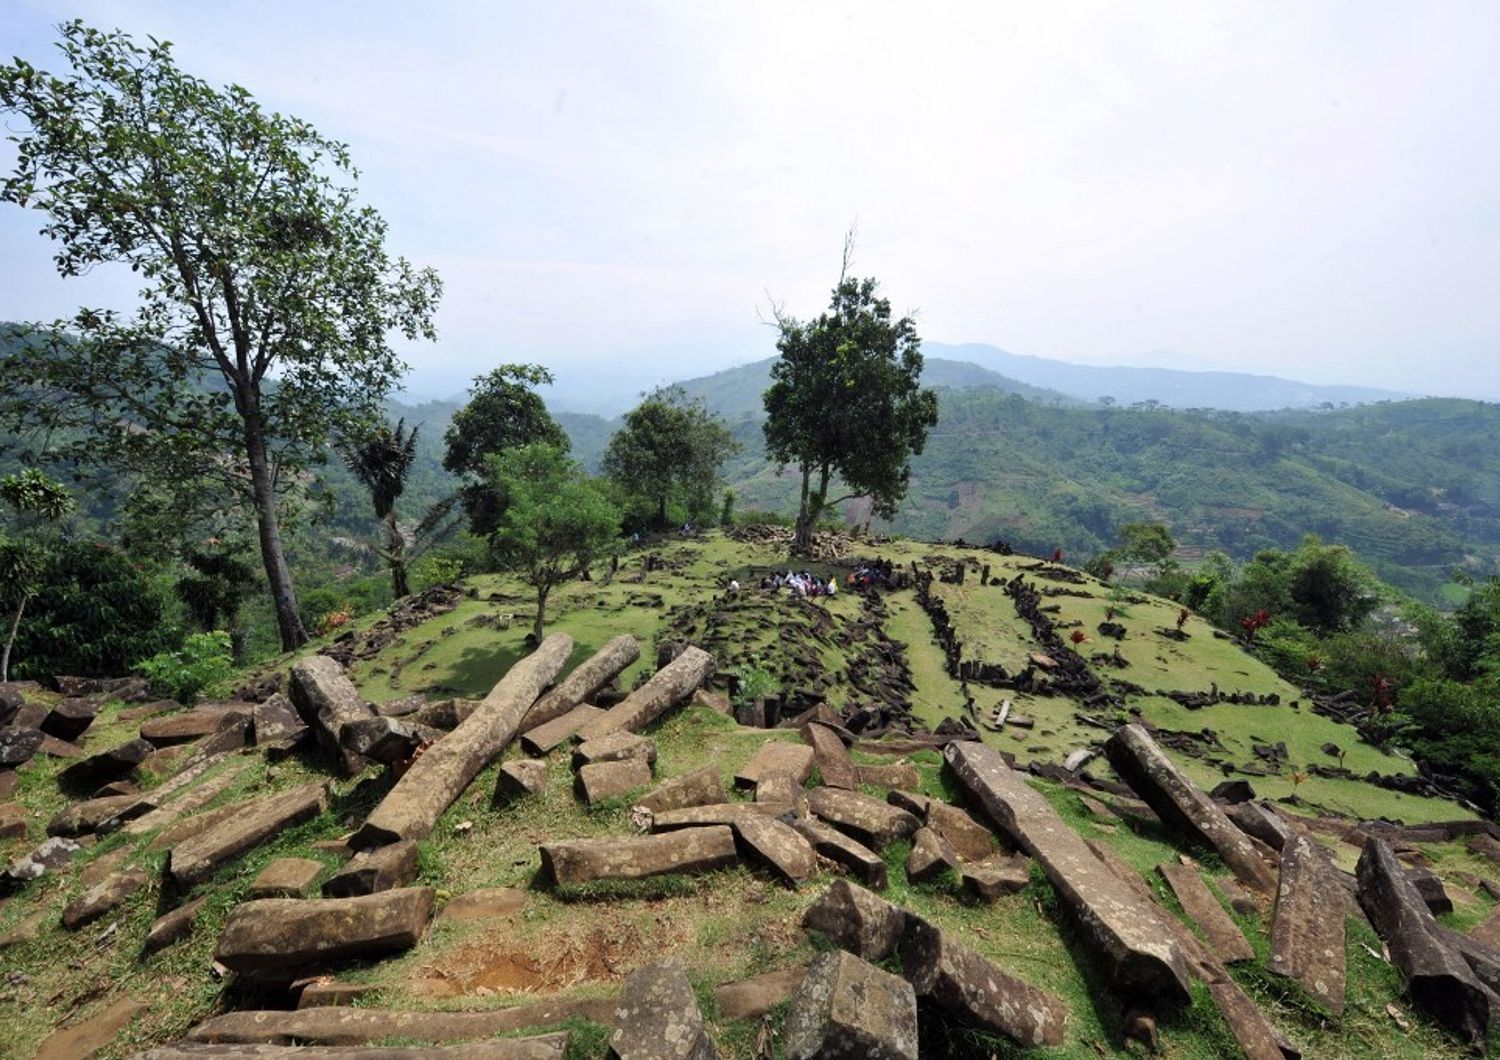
977 991
445 714
1437 977
874 823
1177 800
371 871
1260 822
657 1017
1198 902
386 740
70 718
178 806
276 722
577 861
18 744
327 701
673 684
846 1007
196 859
931 855
857 920
50 856
854 858
1307 931
701 787
894 775
615 747
774 757
436 779
103 897
85 817
608 780
521 776
12 820
831 756
779 847
558 731
586 680
996 876
782 788
358 1026
282 934
189 725
972 840
173 927
754 997
717 813
1140 958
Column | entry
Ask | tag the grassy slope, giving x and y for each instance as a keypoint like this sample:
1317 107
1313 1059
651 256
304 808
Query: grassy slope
731 924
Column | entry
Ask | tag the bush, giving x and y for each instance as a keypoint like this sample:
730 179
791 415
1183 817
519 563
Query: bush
202 666
752 681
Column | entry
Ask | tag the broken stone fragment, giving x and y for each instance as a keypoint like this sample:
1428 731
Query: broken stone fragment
70 718
579 861
854 919
53 854
371 871
778 846
385 740
972 840
1202 908
754 997
17 745
284 878
931 855
283 934
831 757
174 926
83 818
846 1007
1307 932
893 775
657 1017
608 780
194 860
790 759
874 823
327 701
521 776
854 858
996 876
701 787
615 747
670 686
103 897
545 737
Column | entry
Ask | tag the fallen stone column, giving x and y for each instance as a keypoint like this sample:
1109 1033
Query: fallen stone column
832 757
356 1026
1202 908
778 846
848 1007
1140 958
669 686
282 934
411 808
728 813
541 1047
585 681
854 919
874 823
196 859
327 701
578 861
1178 801
701 787
856 858
1307 931
545 737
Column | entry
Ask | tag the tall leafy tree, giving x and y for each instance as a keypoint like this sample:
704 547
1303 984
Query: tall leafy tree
269 298
381 459
555 524
846 401
504 412
671 450
35 502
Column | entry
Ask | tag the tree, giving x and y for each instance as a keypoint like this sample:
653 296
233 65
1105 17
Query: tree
32 497
216 588
504 412
380 459
846 400
670 451
263 326
1149 543
555 523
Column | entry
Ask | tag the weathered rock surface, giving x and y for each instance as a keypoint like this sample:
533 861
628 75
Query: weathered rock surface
51 855
874 823
357 1026
1178 801
17 745
278 934
196 859
931 855
81 1040
846 1007
85 817
972 840
579 861
779 847
657 1017
585 681
975 990
103 897
608 780
521 776
436 779
701 787
996 876
1439 980
327 701
371 871
175 926
385 740
1307 931
714 814
1198 902
181 804
673 684
831 757
615 747
857 920
855 858
754 997
1123 930
774 757
70 719
894 775
277 722
315 995
545 737
540 1047
190 725
12 820
487 903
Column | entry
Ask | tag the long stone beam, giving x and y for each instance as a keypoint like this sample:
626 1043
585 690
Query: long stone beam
669 686
585 681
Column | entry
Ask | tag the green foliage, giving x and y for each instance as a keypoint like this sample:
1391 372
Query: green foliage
203 666
95 613
268 295
668 455
1456 728
380 457
556 522
31 492
504 412
846 401
752 681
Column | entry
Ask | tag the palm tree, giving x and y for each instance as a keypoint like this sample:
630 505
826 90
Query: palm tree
381 460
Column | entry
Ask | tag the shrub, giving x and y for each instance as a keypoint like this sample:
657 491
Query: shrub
202 666
752 681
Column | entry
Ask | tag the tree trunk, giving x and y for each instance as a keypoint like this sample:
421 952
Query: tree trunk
396 556
273 556
10 640
541 611
661 512
802 540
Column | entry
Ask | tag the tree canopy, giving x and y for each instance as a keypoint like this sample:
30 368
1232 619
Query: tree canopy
263 324
669 454
381 458
846 401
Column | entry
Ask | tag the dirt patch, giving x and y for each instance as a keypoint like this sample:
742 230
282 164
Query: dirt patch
496 964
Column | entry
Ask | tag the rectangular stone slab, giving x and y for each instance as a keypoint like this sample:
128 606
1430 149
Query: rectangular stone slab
196 859
874 823
701 787
285 933
793 759
543 1047
857 859
356 1026
674 683
579 861
1122 929
1198 902
715 813
544 737
327 701
1181 803
831 756
586 680
1307 930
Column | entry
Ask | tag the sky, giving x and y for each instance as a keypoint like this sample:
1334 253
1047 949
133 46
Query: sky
621 191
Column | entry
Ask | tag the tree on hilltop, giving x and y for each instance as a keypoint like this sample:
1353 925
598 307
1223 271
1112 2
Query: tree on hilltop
846 400
380 458
670 451
268 300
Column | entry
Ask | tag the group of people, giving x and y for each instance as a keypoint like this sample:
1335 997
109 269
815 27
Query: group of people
875 572
802 583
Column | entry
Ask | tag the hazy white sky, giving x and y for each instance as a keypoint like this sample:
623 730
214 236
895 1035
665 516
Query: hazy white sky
1304 189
